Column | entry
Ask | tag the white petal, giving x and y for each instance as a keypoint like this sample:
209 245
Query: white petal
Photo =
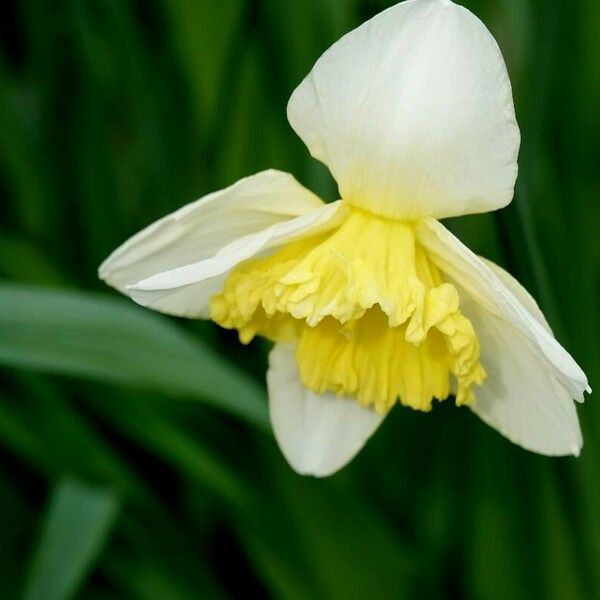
185 291
318 434
519 292
521 397
413 113
201 229
490 291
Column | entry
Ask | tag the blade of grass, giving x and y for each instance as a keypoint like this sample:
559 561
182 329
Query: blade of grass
98 337
153 430
76 527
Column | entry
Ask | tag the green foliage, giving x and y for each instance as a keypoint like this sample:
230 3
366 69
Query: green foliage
135 454
112 340
78 522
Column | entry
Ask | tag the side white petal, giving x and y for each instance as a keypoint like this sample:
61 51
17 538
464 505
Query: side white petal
318 434
490 291
200 229
413 113
521 398
185 291
519 292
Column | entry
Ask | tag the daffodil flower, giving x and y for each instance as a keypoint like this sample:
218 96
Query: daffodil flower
370 301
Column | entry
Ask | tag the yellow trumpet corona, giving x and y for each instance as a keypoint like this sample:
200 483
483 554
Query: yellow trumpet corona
372 314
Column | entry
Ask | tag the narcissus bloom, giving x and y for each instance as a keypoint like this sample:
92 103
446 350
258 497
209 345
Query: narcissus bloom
370 301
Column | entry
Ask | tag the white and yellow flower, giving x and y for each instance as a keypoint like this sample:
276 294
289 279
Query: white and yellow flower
370 300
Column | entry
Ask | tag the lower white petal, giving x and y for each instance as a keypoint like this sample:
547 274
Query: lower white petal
318 434
490 291
521 398
200 230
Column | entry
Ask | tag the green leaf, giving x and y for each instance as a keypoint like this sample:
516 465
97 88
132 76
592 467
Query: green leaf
562 569
16 506
76 528
156 432
202 34
52 437
326 540
104 338
20 259
500 560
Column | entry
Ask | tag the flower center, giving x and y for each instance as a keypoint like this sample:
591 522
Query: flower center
370 312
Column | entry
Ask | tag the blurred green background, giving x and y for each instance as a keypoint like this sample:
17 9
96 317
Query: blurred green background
135 454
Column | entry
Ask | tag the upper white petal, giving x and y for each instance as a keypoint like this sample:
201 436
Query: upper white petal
521 398
201 228
176 264
413 113
318 434
491 292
